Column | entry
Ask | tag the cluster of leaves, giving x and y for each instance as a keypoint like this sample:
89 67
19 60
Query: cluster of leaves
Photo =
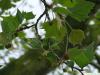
79 12
69 36
10 25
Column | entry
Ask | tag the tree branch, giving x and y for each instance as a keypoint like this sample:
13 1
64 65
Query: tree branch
36 28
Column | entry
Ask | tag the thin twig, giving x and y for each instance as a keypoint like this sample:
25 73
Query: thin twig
46 8
27 27
36 28
80 70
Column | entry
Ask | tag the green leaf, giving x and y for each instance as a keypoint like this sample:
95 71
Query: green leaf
19 16
82 57
60 10
50 43
5 38
21 35
16 0
34 43
70 63
55 30
95 32
68 3
47 43
9 26
52 58
98 15
78 9
1 47
76 36
81 10
28 15
5 4
89 51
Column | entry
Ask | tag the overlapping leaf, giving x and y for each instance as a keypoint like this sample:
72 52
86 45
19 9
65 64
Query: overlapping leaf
82 57
60 10
81 10
54 30
76 36
68 3
24 15
5 4
28 15
78 9
9 26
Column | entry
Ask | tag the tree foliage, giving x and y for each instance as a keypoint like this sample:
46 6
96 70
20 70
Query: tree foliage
71 37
